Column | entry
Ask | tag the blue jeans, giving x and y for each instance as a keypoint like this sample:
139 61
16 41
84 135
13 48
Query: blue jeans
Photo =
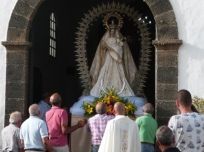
94 148
145 147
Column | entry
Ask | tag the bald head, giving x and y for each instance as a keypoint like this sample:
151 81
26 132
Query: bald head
55 99
34 110
119 108
15 117
100 108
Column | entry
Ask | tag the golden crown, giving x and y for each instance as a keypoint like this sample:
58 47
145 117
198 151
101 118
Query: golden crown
113 20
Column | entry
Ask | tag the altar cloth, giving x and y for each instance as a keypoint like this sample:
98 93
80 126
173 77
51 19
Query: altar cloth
81 138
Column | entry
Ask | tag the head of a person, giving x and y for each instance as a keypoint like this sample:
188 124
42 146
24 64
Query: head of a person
100 108
119 108
46 96
148 108
55 99
164 136
34 110
184 99
15 118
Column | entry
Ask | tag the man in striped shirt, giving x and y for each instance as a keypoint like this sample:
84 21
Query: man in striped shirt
97 125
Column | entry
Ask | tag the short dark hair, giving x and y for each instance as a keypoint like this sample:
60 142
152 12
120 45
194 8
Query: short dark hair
46 95
184 98
164 135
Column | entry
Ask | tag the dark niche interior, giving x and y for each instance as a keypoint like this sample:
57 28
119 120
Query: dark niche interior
59 74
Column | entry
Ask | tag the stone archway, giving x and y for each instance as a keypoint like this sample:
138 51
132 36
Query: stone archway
17 46
166 59
166 68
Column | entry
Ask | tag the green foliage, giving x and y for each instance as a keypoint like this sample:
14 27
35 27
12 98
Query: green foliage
198 103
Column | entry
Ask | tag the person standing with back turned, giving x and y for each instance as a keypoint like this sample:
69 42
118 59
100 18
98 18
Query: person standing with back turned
11 134
33 132
97 125
165 139
188 126
57 122
147 128
121 133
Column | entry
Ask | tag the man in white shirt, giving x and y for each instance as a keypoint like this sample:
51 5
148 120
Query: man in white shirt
10 134
121 133
188 127
33 131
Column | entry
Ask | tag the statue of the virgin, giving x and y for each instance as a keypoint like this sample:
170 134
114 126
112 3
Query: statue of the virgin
113 65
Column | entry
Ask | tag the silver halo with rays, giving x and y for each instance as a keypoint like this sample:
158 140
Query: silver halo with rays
81 37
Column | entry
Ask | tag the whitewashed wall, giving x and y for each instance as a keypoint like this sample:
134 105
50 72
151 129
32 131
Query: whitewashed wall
190 19
6 8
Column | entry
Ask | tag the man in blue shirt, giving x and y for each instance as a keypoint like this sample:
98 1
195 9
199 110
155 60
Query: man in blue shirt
44 105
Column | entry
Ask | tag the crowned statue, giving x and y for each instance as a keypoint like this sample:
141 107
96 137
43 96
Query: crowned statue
113 65
112 76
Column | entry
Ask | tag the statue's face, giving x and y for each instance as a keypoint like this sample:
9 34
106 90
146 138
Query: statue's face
112 31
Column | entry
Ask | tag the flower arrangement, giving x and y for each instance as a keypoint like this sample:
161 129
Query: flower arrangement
198 103
110 97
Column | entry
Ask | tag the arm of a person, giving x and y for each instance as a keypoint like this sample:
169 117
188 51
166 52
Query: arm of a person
64 124
72 128
44 136
21 142
17 138
20 145
68 130
138 122
172 123
46 142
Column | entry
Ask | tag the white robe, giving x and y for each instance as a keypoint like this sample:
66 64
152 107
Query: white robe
121 135
113 67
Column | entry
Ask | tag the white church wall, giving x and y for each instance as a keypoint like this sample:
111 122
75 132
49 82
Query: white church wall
190 19
6 8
